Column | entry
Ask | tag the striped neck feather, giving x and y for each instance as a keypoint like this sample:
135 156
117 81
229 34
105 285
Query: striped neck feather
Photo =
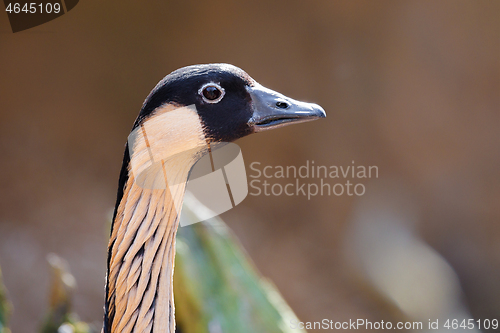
142 252
139 289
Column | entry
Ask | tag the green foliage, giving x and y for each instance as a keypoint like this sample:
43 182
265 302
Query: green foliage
5 308
216 287
59 316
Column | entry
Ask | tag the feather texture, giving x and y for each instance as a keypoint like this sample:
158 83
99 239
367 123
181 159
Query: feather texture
142 244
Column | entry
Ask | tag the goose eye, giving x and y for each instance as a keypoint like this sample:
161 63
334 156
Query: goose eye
211 93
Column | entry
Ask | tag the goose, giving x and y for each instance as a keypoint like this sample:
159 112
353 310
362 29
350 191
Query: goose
188 112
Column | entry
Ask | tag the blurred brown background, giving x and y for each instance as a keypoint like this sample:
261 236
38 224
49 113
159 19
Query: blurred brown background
409 86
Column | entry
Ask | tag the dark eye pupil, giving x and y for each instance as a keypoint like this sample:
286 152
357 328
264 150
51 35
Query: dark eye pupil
211 93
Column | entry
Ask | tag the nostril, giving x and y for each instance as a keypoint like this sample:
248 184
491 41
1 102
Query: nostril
282 105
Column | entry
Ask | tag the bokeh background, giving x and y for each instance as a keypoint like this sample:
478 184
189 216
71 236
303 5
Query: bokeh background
409 86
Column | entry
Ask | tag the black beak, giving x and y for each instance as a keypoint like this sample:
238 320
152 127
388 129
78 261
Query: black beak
272 109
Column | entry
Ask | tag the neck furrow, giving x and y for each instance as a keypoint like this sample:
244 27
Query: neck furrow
139 289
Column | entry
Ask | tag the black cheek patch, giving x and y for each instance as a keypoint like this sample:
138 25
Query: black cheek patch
228 120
